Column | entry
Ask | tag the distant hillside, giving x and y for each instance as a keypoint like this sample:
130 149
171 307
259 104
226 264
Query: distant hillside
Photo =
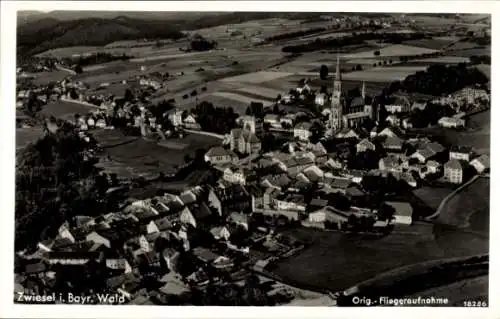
49 33
44 31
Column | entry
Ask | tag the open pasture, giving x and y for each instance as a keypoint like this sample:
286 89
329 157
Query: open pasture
64 109
395 50
465 204
68 52
44 78
241 98
477 50
334 252
147 157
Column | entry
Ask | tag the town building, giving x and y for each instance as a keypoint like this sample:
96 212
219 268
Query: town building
462 153
454 171
450 122
481 164
220 156
302 131
244 141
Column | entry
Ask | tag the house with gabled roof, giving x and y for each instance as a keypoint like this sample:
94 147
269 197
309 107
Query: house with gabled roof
302 131
481 163
365 145
220 156
390 164
393 144
390 132
462 153
195 213
96 238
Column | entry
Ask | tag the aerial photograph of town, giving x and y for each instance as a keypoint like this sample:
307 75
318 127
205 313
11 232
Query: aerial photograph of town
323 159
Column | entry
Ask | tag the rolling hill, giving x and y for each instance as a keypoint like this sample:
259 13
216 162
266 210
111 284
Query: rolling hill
38 31
50 33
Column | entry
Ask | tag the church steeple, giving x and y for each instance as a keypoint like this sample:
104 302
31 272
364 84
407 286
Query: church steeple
338 76
337 82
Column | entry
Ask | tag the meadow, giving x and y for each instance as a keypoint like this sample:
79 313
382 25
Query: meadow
143 157
383 74
395 50
467 207
64 110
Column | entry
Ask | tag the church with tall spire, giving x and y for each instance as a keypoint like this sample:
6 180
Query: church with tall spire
343 116
336 103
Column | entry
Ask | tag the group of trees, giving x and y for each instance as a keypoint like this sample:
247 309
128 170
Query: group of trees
215 119
480 59
441 79
378 186
56 180
430 115
199 43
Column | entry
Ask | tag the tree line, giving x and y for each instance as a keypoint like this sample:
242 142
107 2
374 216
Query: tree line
441 79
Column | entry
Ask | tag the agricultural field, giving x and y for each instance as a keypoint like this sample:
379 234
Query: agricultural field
469 208
256 77
383 74
64 110
24 136
334 252
432 196
69 51
443 60
395 50
426 280
434 43
139 156
477 50
241 98
44 78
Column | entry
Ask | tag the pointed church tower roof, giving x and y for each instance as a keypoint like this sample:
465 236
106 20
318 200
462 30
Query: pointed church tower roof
338 75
